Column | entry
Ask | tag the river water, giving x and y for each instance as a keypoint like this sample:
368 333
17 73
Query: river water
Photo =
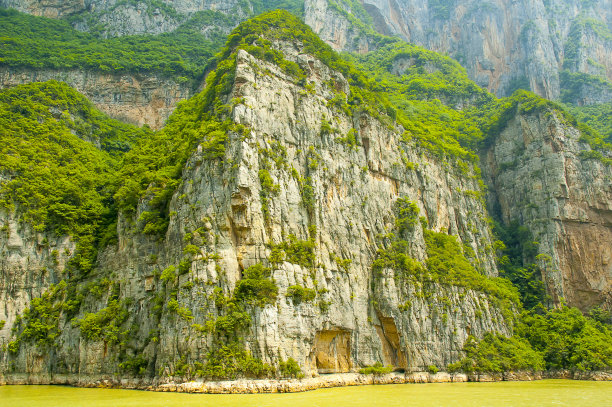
515 394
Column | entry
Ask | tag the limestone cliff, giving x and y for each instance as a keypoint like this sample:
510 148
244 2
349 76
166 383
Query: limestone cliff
502 44
303 224
116 18
140 99
297 187
538 173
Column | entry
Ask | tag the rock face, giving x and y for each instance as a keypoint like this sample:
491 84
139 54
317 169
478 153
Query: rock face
309 176
537 175
46 8
134 98
117 18
503 44
224 209
30 262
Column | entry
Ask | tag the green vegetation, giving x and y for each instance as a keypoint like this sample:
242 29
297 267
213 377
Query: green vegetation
295 251
596 116
376 369
518 252
433 369
446 261
58 178
153 168
423 88
182 312
228 358
104 325
580 26
441 9
136 366
256 287
575 84
497 354
446 264
57 175
495 116
39 323
38 42
268 189
295 7
567 339
232 361
557 339
298 294
407 215
290 368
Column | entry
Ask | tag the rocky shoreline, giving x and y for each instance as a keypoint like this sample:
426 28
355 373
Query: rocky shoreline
245 386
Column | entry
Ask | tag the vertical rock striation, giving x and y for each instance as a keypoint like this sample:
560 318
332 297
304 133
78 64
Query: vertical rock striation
235 219
502 44
538 174
134 98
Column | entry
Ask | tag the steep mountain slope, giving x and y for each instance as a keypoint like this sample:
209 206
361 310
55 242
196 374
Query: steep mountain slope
293 213
541 174
272 234
58 157
504 45
114 18
158 60
139 79
303 212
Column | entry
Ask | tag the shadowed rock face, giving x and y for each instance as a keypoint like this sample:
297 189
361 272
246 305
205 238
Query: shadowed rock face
503 44
536 175
332 351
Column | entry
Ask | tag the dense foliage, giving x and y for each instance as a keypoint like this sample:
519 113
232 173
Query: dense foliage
498 354
567 339
553 340
37 42
596 116
54 172
517 262
376 369
256 287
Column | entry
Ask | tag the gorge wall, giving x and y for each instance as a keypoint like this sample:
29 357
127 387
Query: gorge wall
313 187
114 18
134 98
502 44
537 174
357 316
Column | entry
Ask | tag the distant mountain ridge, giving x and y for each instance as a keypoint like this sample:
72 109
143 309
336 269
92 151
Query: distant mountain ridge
504 45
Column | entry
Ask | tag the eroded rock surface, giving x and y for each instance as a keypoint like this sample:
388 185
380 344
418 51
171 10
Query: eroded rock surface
538 176
503 44
358 318
134 98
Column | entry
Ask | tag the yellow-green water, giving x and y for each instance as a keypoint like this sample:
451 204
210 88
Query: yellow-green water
538 393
